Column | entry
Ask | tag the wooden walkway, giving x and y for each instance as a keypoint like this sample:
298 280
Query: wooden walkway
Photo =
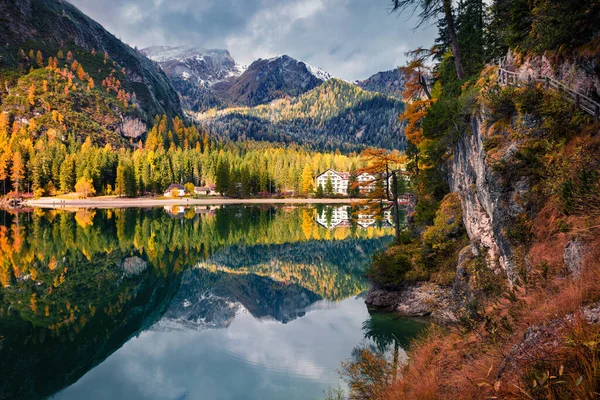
511 78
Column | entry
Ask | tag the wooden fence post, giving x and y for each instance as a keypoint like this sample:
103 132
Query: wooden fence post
577 99
597 112
547 82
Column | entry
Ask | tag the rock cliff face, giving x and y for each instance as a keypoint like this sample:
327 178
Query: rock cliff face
581 74
488 202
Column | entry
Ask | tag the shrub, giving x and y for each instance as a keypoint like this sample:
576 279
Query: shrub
446 237
388 268
501 102
529 100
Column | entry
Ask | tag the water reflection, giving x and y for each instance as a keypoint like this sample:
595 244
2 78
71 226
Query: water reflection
264 295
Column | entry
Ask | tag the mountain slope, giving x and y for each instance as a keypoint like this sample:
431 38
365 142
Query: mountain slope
53 25
334 115
390 83
270 79
211 78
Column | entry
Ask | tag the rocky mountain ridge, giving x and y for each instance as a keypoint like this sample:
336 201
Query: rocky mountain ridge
211 78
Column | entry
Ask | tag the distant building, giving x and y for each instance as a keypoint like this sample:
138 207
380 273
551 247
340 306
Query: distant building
339 181
175 189
201 190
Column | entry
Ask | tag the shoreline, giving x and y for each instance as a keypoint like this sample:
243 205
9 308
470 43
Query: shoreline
50 202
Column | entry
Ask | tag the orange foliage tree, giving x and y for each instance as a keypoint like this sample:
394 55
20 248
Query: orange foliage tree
384 167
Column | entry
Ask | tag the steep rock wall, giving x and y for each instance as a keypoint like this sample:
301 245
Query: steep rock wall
488 202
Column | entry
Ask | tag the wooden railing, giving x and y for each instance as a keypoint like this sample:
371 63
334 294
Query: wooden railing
510 78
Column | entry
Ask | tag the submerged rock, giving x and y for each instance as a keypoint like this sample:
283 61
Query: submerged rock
422 299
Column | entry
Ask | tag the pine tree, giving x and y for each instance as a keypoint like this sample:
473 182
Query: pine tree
329 186
320 193
222 177
353 189
67 175
470 29
130 181
431 9
120 181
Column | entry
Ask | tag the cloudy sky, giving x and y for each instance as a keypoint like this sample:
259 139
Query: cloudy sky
351 39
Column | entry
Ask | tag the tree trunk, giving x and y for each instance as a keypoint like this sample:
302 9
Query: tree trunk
453 38
396 210
423 83
387 182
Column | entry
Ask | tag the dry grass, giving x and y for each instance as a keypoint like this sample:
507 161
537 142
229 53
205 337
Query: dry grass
479 364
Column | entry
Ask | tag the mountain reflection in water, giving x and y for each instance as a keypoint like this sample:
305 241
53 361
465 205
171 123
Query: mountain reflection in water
261 291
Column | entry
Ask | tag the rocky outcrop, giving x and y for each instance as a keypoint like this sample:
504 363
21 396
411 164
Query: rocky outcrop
488 202
573 257
420 299
541 340
580 74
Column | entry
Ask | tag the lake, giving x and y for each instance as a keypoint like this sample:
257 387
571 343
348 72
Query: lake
231 302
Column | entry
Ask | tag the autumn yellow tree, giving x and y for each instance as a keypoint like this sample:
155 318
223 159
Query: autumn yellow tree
307 179
81 73
17 170
384 166
39 59
31 95
85 187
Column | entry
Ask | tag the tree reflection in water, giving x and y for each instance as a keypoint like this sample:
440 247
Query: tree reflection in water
78 284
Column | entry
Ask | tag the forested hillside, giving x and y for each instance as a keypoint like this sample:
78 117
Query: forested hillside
50 26
334 115
78 106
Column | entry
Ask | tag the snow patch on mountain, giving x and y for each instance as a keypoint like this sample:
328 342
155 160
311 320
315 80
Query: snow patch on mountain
314 71
203 66
319 73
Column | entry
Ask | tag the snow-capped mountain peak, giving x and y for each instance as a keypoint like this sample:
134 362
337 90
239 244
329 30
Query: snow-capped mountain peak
315 71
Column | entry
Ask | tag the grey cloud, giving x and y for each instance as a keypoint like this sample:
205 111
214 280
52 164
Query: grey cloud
352 39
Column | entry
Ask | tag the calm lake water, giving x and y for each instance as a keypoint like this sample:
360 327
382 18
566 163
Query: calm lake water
254 302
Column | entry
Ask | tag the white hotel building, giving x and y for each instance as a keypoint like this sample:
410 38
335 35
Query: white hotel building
341 181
